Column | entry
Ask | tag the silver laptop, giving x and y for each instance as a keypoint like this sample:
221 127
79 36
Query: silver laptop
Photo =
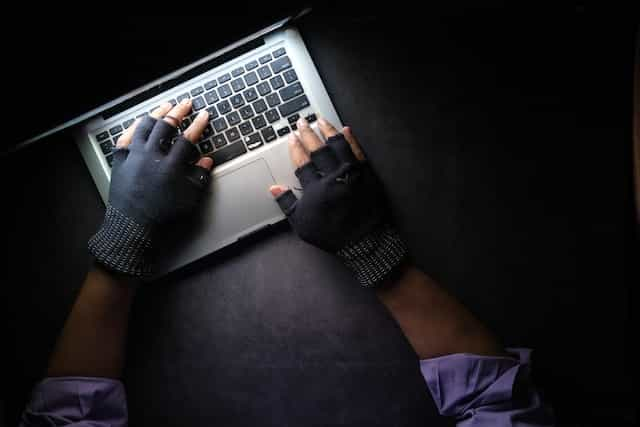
266 81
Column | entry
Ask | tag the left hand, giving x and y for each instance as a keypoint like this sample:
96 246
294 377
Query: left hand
152 182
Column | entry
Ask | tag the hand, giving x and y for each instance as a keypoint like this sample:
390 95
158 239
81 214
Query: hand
343 209
152 182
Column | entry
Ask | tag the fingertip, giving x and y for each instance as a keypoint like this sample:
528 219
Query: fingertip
205 162
277 190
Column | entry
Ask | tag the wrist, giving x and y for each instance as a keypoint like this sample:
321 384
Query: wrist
377 258
123 245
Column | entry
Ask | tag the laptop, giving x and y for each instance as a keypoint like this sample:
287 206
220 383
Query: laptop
254 90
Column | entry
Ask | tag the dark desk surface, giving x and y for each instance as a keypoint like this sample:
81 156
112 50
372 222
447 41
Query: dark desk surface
505 150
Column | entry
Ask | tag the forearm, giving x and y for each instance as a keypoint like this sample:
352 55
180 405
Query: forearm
433 321
93 339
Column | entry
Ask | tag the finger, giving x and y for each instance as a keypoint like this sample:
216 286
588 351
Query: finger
183 151
327 128
194 131
205 162
127 136
161 110
298 154
177 113
353 143
287 201
341 148
277 190
310 140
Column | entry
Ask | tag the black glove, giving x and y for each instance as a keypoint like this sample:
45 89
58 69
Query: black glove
152 182
344 211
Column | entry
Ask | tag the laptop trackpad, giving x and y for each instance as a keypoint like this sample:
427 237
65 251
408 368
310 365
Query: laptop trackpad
237 203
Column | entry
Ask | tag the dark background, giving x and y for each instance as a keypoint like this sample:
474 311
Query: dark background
503 138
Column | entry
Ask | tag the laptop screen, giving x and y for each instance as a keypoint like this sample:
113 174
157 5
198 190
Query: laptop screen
73 66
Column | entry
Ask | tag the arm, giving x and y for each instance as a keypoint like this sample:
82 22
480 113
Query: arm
150 184
343 210
92 341
433 321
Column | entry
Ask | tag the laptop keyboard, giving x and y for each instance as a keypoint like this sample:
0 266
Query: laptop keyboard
243 105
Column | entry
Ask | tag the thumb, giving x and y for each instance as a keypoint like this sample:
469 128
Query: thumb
277 190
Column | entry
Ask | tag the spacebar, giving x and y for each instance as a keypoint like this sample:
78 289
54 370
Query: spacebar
227 153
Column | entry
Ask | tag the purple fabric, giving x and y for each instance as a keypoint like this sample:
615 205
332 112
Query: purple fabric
78 402
484 391
477 391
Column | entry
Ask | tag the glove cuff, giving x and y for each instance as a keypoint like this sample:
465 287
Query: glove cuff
375 256
122 245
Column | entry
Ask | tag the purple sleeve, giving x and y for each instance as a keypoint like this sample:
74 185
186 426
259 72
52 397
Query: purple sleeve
486 391
77 401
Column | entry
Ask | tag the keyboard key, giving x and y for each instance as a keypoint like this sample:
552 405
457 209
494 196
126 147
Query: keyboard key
198 103
233 118
228 153
115 130
211 97
245 128
278 52
219 124
251 78
291 91
293 119
128 123
263 88
259 122
264 72
224 78
259 106
237 100
283 131
294 126
183 97
268 134
110 160
106 146
232 134
277 82
253 141
290 76
250 94
246 112
224 91
251 65
264 59
223 107
237 72
237 85
102 136
205 146
173 102
272 115
311 118
294 105
210 84
213 113
219 140
140 116
280 64
207 132
273 99
197 91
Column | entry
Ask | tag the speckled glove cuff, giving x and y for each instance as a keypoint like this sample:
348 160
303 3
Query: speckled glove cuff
374 257
122 245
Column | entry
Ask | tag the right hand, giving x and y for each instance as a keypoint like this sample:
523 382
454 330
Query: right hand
343 209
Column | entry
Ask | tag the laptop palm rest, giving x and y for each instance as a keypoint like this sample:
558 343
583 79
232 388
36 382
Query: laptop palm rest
238 203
